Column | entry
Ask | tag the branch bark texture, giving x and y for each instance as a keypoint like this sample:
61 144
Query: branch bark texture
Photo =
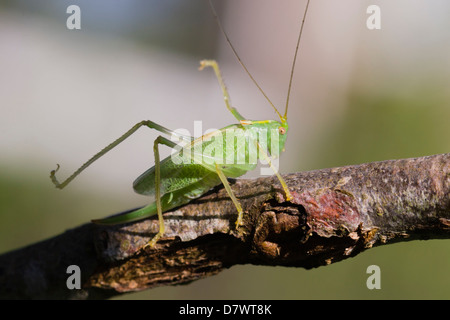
335 214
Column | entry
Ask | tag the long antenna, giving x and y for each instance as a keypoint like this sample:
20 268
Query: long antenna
295 59
239 59
283 118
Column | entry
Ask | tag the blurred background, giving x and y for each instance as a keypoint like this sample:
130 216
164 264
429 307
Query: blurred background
358 96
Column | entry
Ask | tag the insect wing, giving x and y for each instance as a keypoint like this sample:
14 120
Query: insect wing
174 176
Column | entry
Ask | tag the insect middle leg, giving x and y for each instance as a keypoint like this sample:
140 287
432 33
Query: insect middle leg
225 183
159 140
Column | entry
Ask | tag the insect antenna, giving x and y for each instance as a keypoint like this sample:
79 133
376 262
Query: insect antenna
295 59
283 118
238 58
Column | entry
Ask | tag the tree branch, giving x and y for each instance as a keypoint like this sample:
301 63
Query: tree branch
335 214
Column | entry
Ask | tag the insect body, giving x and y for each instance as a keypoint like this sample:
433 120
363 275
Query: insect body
201 163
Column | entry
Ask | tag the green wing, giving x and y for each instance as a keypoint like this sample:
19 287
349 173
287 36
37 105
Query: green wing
174 177
197 165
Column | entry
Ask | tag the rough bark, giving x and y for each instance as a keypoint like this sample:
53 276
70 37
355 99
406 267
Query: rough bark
335 214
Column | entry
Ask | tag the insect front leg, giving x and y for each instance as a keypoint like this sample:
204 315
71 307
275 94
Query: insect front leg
226 97
275 170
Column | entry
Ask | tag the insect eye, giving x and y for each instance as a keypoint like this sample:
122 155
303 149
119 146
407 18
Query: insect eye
281 130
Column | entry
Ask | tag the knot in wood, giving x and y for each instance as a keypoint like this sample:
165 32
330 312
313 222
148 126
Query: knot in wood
279 228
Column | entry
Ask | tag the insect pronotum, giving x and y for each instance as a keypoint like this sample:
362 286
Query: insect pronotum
203 163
